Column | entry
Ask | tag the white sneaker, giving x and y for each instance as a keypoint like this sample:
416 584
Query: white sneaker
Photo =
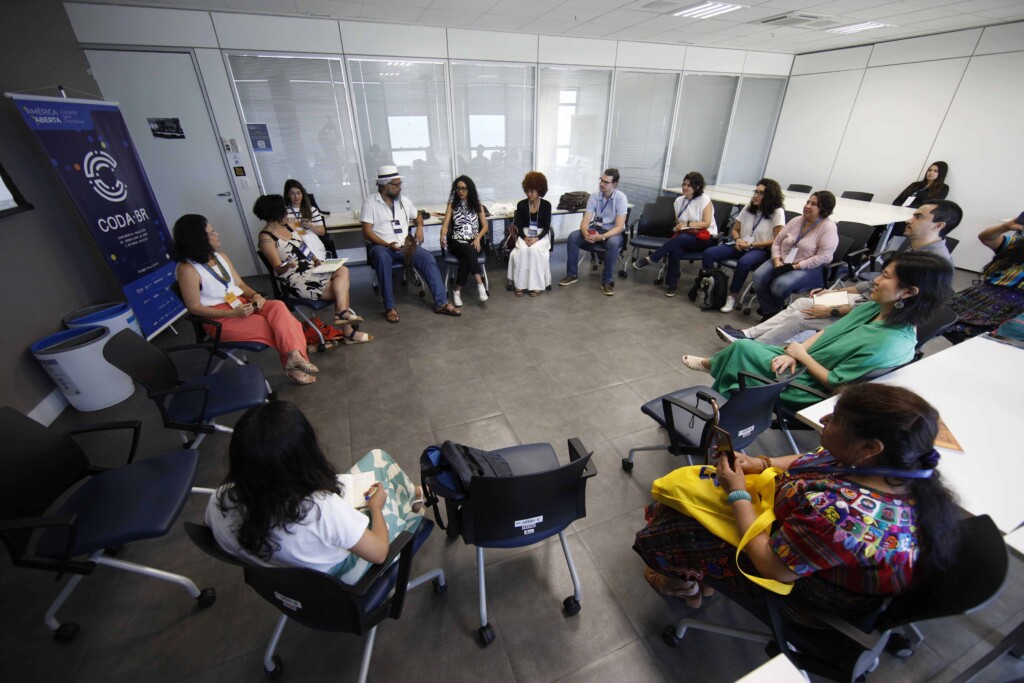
730 304
457 298
482 291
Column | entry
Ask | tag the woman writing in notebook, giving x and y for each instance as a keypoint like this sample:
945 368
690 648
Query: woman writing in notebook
211 288
289 254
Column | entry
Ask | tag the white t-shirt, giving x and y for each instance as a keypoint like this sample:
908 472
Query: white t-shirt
320 541
693 210
761 228
390 225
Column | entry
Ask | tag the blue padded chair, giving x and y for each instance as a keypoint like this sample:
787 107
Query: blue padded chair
744 415
723 220
320 601
191 405
539 500
295 304
417 279
111 507
451 266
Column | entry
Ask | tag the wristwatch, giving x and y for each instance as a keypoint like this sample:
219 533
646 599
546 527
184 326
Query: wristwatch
834 313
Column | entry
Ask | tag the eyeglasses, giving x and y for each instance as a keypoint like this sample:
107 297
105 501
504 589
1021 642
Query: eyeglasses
605 182
758 193
395 183
461 188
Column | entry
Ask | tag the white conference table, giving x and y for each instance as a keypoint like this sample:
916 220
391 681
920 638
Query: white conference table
975 386
347 220
869 213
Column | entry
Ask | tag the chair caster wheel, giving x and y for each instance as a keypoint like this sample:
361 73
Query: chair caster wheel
508 288
746 311
66 632
899 646
486 634
272 396
422 294
571 606
668 635
623 274
376 289
627 465
440 588
659 282
278 669
207 597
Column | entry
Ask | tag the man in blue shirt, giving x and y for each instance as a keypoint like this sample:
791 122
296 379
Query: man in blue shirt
603 223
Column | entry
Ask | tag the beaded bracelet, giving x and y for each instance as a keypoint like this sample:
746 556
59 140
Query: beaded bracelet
738 495
766 460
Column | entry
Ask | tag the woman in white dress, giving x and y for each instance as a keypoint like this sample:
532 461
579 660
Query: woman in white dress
529 266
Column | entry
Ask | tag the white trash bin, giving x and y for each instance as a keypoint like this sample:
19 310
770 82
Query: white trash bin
74 360
113 316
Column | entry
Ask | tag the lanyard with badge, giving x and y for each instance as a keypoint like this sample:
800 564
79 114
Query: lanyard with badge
534 229
597 223
224 277
395 223
682 210
791 256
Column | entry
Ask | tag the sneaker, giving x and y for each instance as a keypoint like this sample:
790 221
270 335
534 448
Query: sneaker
730 304
607 288
568 280
729 334
482 292
641 263
671 291
457 298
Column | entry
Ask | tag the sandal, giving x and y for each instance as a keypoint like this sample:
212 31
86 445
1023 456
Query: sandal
351 338
695 363
350 319
302 366
534 292
298 376
392 316
688 591
519 292
328 345
417 504
448 309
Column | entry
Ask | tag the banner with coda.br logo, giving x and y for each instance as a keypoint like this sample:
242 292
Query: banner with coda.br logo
90 148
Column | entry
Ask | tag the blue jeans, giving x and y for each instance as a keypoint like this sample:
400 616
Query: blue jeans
674 249
383 259
772 292
746 261
611 248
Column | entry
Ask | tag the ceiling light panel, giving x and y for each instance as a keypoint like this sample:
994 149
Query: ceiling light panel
706 10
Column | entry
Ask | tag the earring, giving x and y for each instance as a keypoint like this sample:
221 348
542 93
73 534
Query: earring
898 305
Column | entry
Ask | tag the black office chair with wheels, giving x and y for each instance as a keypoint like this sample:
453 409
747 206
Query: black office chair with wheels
189 405
451 264
652 230
109 508
744 415
295 304
790 215
795 187
322 602
540 499
844 651
859 196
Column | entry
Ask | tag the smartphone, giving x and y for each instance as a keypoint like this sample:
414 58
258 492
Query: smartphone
723 445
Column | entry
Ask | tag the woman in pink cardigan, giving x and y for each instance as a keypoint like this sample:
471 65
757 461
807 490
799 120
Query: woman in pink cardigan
799 255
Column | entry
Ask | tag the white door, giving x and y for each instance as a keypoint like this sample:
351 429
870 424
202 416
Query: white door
188 174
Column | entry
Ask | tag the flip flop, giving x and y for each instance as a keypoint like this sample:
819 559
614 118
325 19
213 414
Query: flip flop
392 316
447 310
298 376
351 338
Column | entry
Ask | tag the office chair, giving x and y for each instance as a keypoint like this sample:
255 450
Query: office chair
790 215
844 651
189 405
109 507
322 602
328 242
869 269
398 265
795 187
295 304
652 230
540 499
745 415
451 265
859 196
723 220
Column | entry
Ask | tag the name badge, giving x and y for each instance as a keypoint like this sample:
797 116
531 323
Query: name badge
532 231
232 299
791 256
304 248
909 200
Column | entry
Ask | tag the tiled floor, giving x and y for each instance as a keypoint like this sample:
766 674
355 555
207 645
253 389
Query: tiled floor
572 363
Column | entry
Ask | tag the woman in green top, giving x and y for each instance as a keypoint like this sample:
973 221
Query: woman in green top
878 334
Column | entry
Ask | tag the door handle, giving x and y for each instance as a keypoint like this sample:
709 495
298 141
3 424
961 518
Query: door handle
223 194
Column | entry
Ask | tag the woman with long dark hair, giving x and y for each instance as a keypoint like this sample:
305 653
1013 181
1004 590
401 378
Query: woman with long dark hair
462 232
932 187
282 503
752 233
211 288
878 334
303 215
999 294
850 530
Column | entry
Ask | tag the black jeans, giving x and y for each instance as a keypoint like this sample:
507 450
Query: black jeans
468 264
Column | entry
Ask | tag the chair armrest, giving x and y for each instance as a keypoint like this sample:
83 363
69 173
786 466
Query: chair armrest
31 523
812 391
576 451
182 390
134 425
373 573
744 376
667 401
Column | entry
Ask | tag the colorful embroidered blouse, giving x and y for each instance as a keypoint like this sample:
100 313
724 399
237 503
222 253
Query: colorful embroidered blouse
1012 275
843 532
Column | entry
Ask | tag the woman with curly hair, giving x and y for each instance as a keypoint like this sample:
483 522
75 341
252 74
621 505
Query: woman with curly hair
462 232
303 215
752 234
282 504
529 263
211 288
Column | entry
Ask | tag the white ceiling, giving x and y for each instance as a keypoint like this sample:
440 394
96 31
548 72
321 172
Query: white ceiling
636 20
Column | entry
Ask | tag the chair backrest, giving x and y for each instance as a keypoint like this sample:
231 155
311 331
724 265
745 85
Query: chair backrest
142 361
665 199
860 196
497 507
39 465
796 187
951 244
749 411
723 212
197 325
859 232
275 285
657 220
940 321
790 215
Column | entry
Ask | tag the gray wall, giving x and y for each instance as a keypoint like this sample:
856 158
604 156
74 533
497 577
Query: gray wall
51 265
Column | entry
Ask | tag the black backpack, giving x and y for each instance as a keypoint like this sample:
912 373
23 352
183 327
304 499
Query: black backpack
573 201
446 470
711 289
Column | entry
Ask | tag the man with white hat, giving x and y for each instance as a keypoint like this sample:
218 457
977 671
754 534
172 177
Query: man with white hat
386 216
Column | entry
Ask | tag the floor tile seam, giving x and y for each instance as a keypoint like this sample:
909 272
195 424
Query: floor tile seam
611 588
606 654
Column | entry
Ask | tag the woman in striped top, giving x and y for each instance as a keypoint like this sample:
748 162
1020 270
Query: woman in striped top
462 232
